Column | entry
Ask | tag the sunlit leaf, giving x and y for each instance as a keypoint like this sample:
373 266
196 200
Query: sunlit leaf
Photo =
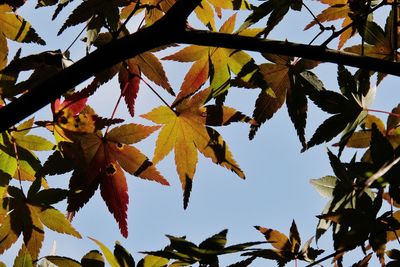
63 261
324 185
185 130
100 159
276 9
213 62
107 253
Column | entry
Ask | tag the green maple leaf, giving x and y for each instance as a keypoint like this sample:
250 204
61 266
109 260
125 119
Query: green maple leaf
27 216
16 156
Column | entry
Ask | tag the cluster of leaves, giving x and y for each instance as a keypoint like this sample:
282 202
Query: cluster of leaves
358 188
99 153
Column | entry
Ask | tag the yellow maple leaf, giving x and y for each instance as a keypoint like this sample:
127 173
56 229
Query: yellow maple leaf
186 130
15 28
214 62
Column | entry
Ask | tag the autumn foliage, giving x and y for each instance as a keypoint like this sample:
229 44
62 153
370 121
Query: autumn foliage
99 153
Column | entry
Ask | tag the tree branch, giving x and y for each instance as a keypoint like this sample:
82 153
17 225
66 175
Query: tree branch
170 29
314 52
159 34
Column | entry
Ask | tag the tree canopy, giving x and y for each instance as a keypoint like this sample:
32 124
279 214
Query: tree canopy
224 45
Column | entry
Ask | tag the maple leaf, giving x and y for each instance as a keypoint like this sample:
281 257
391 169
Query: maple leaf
206 253
285 248
16 156
68 117
28 216
186 130
42 66
129 83
362 139
348 108
108 10
214 62
29 142
100 161
205 11
277 9
284 79
379 43
120 257
129 73
15 28
338 9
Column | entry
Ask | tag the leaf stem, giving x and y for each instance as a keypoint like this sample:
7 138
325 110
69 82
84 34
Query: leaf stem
76 39
321 26
115 108
24 129
382 111
158 95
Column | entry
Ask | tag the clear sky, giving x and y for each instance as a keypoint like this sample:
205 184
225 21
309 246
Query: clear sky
276 190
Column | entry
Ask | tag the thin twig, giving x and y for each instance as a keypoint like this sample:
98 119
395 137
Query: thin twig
315 37
321 26
116 105
337 252
18 166
24 129
384 169
76 38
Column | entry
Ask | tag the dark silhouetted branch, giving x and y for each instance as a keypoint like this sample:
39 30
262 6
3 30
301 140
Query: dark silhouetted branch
171 29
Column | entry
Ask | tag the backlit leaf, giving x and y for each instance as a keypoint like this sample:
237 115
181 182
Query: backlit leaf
93 259
100 161
152 261
56 221
285 248
63 261
23 258
324 185
123 257
15 28
107 253
277 9
87 9
338 9
186 132
129 84
216 63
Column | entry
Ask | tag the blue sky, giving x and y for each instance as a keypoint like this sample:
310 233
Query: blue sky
276 190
